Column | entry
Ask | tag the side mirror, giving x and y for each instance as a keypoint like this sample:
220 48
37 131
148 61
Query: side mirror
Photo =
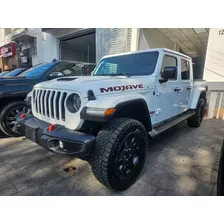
55 75
170 72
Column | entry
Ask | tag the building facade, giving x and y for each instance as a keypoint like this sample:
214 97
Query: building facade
31 46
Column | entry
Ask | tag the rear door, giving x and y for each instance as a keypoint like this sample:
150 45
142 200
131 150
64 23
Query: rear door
186 84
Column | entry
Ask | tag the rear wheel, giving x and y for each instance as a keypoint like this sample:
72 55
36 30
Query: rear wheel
8 117
195 121
120 153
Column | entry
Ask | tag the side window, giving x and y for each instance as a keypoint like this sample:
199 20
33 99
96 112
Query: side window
169 61
185 70
66 69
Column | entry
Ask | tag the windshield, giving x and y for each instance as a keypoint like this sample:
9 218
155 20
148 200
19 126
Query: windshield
37 71
15 72
131 64
4 73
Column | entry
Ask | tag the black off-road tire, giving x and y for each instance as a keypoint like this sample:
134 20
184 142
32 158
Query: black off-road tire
113 143
3 114
195 121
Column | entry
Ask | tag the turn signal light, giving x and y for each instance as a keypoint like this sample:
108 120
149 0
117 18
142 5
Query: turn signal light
109 111
22 116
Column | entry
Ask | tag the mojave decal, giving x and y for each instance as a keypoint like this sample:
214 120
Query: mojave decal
121 88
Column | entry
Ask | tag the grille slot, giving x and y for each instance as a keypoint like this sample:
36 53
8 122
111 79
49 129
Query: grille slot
37 101
43 102
40 103
50 103
57 104
64 95
47 103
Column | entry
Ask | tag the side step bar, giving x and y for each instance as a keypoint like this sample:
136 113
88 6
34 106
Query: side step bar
168 124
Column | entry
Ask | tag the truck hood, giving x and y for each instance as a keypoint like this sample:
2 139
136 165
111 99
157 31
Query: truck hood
98 84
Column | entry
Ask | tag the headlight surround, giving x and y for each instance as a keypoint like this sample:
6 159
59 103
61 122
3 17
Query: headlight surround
73 103
102 112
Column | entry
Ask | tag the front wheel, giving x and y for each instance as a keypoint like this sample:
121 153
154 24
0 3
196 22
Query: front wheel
120 153
8 117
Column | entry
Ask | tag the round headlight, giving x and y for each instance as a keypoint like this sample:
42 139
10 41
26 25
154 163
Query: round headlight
76 101
73 103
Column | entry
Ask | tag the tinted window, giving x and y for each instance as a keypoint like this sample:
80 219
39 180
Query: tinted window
185 70
4 73
37 71
15 72
131 64
73 69
169 61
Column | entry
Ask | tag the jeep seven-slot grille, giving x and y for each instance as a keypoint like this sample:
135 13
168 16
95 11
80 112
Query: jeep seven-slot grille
50 103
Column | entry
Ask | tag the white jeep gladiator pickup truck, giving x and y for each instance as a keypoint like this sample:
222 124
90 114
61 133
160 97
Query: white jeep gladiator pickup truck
109 116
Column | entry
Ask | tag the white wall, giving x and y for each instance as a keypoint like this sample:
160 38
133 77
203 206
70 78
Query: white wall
153 38
47 48
2 39
214 62
134 38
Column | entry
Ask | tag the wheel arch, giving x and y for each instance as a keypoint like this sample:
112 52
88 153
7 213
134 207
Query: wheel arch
6 100
135 109
197 94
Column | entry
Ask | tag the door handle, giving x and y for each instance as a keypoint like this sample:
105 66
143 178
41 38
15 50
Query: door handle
189 88
177 89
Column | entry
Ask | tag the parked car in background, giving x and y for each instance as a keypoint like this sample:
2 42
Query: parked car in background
13 91
4 73
14 73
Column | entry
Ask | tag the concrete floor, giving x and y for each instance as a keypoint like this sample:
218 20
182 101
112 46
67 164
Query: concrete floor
182 161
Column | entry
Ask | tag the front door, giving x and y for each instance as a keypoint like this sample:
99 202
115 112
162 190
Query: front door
168 95
186 85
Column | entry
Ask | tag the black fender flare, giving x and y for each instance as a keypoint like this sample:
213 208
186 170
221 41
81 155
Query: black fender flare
136 104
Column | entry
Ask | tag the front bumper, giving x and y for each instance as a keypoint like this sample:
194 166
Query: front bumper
60 140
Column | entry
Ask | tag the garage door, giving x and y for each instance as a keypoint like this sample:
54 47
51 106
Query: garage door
79 47
112 41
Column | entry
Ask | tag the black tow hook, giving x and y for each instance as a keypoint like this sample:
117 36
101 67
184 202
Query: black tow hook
18 117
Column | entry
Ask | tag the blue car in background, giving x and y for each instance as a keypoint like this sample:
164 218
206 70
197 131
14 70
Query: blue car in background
4 73
14 72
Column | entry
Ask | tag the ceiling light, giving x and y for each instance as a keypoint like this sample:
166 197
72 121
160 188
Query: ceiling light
200 30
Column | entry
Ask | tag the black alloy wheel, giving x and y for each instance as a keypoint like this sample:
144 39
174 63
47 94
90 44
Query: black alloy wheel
127 157
8 117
